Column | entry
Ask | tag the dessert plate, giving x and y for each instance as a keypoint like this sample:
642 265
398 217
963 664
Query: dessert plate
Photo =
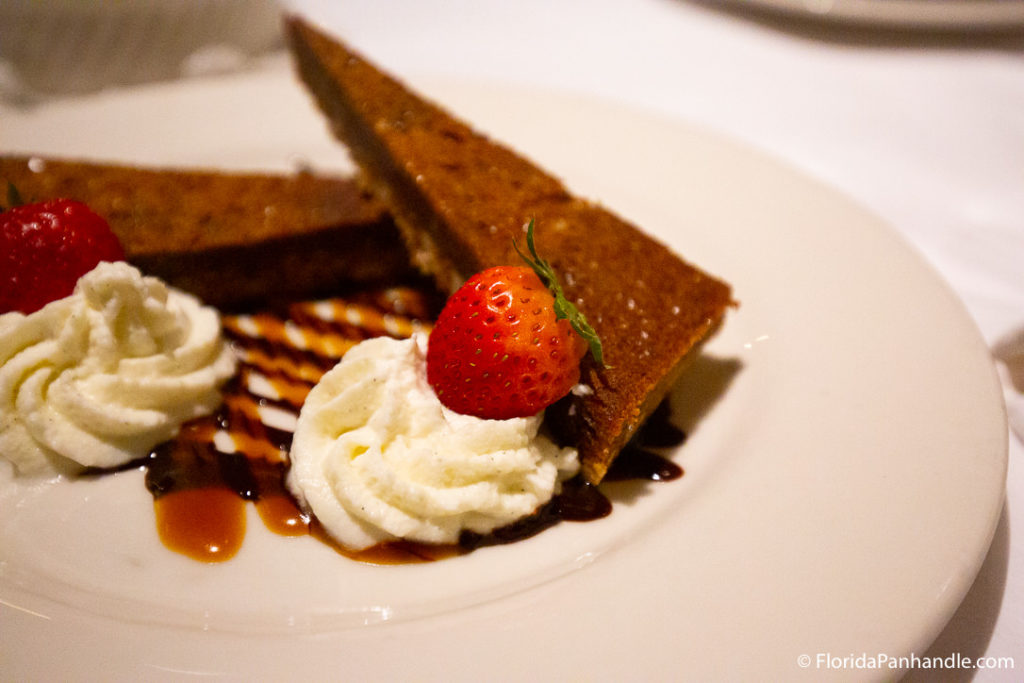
845 464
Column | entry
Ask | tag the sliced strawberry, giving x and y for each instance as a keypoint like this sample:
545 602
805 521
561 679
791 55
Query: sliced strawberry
46 247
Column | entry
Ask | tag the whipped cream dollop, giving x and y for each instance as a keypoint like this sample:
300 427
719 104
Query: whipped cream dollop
377 457
100 377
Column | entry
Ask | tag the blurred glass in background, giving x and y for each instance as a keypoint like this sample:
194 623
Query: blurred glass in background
54 48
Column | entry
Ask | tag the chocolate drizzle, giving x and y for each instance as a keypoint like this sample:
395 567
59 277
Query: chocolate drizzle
202 479
639 463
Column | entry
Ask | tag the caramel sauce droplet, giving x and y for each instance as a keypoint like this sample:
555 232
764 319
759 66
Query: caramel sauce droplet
206 524
281 515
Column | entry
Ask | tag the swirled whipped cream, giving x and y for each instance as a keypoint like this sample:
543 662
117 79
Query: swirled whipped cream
100 377
376 456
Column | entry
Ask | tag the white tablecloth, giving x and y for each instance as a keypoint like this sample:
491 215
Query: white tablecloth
926 130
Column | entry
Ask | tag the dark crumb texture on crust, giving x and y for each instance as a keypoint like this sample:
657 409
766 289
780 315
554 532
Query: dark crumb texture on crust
460 199
228 238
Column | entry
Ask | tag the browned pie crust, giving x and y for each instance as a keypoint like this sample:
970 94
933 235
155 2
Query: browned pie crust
459 199
229 238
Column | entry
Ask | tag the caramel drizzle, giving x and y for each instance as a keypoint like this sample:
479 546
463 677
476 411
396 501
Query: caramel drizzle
202 479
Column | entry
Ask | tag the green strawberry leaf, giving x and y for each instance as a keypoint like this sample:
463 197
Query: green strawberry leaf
563 307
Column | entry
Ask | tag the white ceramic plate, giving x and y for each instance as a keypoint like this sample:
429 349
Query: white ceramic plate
845 467
923 14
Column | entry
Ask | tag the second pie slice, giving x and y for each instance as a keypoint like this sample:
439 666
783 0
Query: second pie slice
460 199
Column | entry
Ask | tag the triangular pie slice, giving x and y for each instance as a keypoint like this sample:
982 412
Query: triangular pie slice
459 199
229 238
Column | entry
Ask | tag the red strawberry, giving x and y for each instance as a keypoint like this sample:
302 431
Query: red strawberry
507 343
46 247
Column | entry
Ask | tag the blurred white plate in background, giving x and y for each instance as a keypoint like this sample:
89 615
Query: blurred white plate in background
924 14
